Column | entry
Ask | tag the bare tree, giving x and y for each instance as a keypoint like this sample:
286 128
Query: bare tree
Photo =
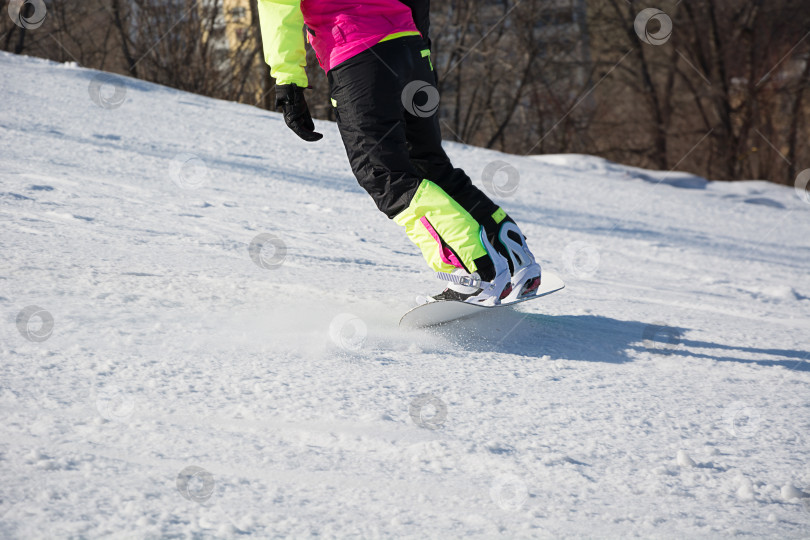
725 95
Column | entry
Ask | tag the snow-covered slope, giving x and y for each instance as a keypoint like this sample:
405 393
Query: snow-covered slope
665 393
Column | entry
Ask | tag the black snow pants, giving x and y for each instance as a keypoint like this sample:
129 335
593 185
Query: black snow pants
390 149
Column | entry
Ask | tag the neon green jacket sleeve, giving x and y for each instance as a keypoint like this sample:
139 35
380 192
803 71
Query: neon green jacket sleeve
283 37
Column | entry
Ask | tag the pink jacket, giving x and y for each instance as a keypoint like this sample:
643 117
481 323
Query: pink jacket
340 29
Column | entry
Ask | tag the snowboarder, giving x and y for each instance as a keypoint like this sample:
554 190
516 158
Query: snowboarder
376 55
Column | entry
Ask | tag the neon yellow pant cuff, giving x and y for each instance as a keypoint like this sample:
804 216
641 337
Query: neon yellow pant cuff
447 234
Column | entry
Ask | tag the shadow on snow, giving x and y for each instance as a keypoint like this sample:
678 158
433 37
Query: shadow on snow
594 338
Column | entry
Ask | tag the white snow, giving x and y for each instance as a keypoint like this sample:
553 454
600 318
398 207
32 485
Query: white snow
791 492
200 339
684 460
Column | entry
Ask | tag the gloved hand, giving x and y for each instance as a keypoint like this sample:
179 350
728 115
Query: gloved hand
290 98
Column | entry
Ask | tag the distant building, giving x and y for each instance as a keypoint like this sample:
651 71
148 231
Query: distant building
231 29
562 26
237 22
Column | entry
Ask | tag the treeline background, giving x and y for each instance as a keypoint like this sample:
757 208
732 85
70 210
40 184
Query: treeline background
725 96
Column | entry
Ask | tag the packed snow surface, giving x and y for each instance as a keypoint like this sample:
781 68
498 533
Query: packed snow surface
199 339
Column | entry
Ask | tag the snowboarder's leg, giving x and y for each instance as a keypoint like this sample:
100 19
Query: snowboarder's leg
430 160
366 91
424 139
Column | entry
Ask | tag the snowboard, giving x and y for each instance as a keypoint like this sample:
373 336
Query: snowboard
444 311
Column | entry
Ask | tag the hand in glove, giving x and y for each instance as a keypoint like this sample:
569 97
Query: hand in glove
290 98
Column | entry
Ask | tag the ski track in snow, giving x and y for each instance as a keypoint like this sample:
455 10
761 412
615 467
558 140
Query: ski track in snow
663 394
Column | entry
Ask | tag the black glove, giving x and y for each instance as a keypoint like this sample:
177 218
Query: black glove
290 98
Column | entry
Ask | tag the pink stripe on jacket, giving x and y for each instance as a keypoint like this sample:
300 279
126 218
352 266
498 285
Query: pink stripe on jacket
340 29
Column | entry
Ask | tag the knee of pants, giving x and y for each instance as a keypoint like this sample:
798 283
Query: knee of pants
447 235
